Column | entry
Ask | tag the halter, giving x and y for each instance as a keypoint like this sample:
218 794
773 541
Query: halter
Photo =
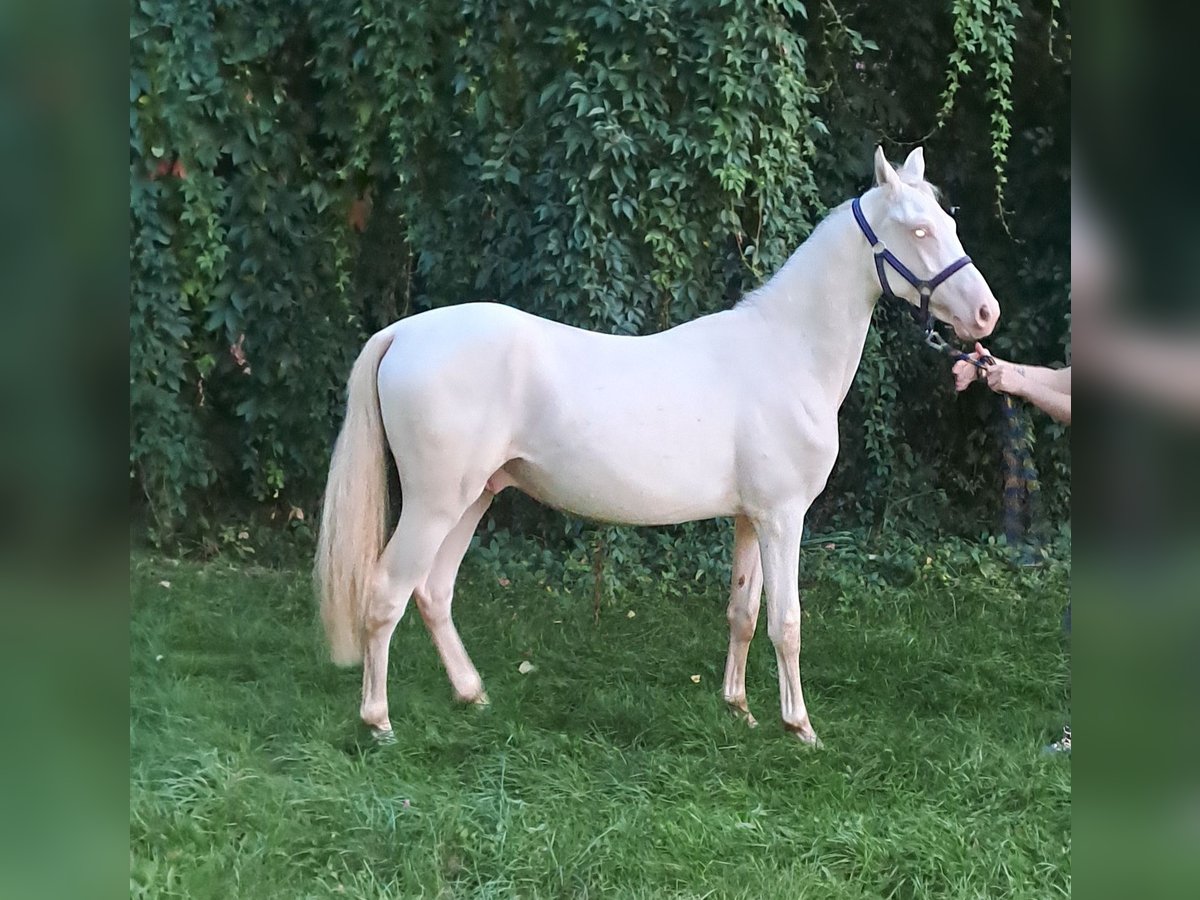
925 287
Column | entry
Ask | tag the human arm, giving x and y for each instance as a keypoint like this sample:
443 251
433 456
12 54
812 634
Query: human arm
1047 389
1057 380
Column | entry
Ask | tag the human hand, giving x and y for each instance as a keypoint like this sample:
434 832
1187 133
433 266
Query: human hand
1006 378
966 372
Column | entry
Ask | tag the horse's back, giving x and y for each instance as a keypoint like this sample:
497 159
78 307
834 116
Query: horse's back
602 425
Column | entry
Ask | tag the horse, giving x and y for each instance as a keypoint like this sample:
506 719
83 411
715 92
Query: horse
733 414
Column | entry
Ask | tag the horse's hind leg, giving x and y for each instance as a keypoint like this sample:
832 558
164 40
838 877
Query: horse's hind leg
435 596
745 594
402 566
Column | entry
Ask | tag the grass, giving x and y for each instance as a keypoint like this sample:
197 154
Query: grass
605 772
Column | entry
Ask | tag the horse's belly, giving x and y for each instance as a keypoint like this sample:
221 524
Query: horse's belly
631 495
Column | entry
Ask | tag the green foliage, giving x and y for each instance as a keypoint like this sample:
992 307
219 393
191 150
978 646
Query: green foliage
241 324
933 674
301 174
986 30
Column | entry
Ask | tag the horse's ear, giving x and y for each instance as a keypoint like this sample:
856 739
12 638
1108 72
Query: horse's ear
914 166
884 173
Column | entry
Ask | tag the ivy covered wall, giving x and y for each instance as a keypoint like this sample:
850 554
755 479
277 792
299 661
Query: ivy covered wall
302 174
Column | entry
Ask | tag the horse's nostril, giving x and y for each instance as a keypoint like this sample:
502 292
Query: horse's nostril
985 314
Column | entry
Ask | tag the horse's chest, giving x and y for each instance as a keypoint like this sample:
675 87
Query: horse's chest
787 451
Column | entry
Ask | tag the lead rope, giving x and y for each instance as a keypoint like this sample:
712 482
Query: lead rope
1022 492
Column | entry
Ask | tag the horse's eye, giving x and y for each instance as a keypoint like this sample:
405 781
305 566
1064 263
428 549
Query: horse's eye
920 232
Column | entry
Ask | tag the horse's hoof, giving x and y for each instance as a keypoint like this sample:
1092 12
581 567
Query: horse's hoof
478 700
383 736
742 711
803 733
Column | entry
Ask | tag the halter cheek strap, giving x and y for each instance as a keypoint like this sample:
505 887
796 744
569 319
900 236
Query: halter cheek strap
885 257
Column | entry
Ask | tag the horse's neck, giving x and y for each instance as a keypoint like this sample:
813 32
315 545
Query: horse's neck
822 300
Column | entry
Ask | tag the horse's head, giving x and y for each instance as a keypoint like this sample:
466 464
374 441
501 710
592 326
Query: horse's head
918 243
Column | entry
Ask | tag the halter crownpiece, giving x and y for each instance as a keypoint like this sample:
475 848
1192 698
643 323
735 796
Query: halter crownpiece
925 286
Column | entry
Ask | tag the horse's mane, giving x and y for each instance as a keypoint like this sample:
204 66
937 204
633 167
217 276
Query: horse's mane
920 184
931 188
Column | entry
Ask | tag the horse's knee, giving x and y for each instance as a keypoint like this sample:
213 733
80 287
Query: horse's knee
383 618
785 633
385 606
433 603
742 622
743 604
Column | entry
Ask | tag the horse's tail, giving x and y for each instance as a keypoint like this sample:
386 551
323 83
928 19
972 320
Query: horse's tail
355 512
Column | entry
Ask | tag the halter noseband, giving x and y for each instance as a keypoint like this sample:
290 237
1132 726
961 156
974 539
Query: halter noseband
925 287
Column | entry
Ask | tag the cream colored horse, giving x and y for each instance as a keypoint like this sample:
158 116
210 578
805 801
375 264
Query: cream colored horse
732 414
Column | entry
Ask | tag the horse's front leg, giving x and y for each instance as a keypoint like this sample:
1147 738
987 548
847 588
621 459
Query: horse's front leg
745 593
779 542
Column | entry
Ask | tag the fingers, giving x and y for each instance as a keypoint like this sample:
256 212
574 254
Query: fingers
962 376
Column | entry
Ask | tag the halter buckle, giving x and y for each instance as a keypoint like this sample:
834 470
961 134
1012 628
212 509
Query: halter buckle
936 341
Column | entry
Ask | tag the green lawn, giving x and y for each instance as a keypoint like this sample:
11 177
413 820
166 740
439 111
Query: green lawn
605 772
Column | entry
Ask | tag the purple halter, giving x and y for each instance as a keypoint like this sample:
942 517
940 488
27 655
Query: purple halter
925 287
